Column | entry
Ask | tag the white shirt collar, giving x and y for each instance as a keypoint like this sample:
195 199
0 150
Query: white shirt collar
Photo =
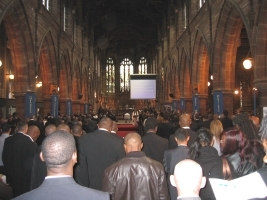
102 129
63 176
186 196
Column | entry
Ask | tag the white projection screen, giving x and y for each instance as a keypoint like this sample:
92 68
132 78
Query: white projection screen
143 86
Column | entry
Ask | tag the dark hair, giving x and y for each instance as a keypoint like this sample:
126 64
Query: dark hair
77 129
21 126
225 113
181 134
263 128
5 128
246 125
151 123
204 138
253 152
57 149
234 141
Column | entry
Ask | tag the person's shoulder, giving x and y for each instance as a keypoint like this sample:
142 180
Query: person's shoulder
94 194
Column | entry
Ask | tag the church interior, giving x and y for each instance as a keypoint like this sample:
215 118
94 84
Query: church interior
84 51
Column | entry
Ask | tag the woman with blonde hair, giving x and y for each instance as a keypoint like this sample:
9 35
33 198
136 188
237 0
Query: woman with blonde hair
216 128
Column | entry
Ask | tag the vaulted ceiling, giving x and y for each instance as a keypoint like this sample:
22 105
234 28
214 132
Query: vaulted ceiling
125 27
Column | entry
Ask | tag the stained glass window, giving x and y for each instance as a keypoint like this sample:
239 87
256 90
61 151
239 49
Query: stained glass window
110 76
142 69
46 4
126 69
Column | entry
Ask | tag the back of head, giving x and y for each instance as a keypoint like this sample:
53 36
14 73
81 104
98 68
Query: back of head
57 149
232 141
114 127
151 124
63 127
225 113
34 132
181 134
216 128
6 128
105 123
50 129
185 120
204 138
22 126
77 129
188 178
132 142
244 124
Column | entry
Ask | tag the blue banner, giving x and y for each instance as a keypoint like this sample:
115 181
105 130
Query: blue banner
86 107
69 107
54 106
182 104
30 104
175 105
195 103
218 102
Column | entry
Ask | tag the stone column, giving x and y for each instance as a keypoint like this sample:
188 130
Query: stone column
62 106
261 86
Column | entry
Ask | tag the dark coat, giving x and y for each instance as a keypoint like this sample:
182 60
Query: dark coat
97 151
143 179
154 146
8 157
192 135
24 152
165 130
204 124
227 123
63 189
212 167
171 158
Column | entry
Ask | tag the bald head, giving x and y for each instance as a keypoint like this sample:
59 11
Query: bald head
132 142
77 130
50 129
105 123
34 132
188 178
63 127
185 120
114 127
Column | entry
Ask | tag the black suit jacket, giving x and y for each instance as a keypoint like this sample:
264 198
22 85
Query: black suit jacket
226 122
154 146
97 151
193 137
64 188
171 158
8 157
24 151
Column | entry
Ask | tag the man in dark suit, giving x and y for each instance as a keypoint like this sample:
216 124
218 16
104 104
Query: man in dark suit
24 151
173 156
8 151
194 125
184 121
188 180
100 149
59 154
205 123
114 130
154 145
226 121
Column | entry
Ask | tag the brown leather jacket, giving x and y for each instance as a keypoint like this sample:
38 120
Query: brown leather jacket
136 177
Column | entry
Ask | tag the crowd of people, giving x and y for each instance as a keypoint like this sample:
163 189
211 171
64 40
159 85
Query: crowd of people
173 155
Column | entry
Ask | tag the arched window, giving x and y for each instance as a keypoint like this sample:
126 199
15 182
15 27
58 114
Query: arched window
201 2
126 69
142 69
46 4
110 76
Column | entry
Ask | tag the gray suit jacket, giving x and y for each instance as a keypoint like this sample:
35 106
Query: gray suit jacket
64 188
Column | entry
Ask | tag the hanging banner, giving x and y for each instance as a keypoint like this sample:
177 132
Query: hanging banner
86 107
30 102
195 103
54 106
69 107
175 105
218 102
182 104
